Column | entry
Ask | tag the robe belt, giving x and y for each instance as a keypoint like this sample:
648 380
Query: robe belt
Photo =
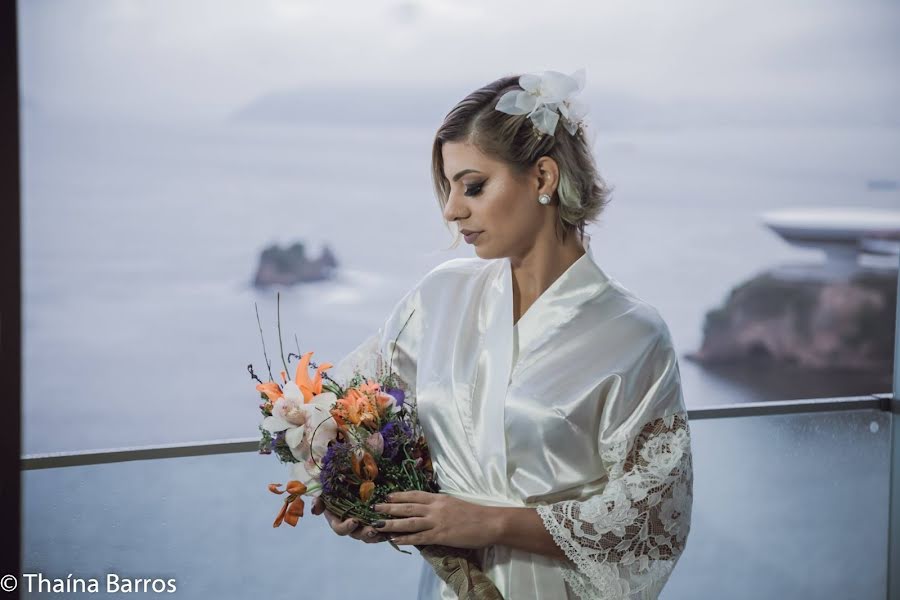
486 500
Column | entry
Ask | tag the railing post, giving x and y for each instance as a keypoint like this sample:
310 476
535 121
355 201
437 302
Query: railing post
893 556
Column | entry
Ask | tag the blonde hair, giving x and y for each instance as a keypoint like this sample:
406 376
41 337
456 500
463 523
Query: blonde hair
512 139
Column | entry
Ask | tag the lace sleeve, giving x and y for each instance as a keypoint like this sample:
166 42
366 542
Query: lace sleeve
625 541
628 538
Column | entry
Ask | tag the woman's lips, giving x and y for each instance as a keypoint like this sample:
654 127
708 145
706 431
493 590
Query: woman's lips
471 237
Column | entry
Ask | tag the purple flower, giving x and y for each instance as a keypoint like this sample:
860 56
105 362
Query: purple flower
396 434
338 453
398 394
279 438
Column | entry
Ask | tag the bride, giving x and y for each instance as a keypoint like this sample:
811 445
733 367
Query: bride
549 394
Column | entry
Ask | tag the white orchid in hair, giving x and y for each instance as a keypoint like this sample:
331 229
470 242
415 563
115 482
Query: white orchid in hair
546 96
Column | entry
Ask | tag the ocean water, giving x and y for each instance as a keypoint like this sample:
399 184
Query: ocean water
140 241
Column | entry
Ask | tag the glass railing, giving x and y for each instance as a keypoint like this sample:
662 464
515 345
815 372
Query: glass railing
790 501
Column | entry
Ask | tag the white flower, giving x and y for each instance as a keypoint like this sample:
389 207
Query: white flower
288 411
299 421
306 472
544 97
319 429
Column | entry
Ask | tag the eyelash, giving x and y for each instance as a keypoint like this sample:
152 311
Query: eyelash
474 190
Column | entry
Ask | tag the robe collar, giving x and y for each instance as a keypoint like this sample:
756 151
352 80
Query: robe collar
582 281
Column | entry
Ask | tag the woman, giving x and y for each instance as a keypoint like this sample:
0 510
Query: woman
550 395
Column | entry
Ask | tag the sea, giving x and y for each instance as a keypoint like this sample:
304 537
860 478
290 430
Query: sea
140 242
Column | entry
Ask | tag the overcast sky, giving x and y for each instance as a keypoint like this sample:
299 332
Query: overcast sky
209 58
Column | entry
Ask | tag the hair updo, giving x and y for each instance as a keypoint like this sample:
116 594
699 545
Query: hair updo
581 192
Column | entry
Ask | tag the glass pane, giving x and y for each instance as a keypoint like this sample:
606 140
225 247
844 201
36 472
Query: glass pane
790 507
204 521
163 151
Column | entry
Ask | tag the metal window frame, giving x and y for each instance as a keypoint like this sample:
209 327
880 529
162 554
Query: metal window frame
893 541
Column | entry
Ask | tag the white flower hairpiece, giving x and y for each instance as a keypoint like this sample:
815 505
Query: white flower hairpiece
546 96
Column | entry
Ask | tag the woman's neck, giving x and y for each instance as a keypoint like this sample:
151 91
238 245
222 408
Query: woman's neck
533 273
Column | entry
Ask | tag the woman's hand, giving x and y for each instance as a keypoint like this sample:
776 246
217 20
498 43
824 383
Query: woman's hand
349 527
426 518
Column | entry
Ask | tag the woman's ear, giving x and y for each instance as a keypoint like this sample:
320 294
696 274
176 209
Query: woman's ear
548 175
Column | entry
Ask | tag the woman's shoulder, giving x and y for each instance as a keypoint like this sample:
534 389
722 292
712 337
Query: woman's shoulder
637 316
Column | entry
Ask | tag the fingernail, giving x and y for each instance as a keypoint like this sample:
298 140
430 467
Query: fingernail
378 524
373 534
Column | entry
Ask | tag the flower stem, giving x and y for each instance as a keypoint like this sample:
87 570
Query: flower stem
280 344
268 362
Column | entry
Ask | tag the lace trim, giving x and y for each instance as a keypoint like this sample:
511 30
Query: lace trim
627 539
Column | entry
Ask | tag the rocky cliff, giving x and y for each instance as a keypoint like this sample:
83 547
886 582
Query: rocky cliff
290 266
806 317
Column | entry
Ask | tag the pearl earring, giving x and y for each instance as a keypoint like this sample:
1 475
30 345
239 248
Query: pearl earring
544 199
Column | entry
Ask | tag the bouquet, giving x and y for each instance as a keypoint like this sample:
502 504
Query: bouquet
351 444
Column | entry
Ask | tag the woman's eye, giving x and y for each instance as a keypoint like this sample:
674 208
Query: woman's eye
473 190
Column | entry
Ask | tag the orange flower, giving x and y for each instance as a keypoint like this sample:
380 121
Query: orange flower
292 508
369 467
281 515
369 387
294 511
339 414
366 490
357 408
295 487
309 387
272 390
384 402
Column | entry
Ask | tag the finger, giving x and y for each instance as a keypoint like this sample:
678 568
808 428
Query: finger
411 524
371 536
416 539
368 532
414 496
343 527
333 519
401 510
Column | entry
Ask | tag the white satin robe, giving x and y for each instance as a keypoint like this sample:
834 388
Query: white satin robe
583 421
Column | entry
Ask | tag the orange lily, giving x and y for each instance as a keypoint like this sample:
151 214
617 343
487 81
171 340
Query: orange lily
357 407
292 509
366 490
309 387
369 387
295 487
281 515
369 467
272 391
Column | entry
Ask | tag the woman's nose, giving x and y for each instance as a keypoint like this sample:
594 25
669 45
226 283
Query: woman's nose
454 209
